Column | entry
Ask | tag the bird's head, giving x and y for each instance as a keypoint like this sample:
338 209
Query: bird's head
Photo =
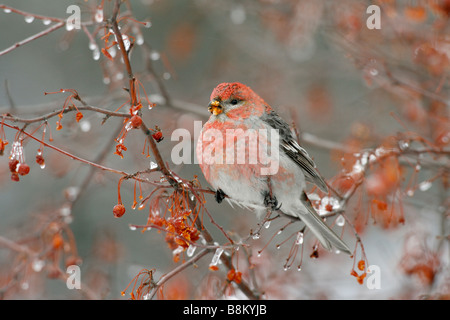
235 99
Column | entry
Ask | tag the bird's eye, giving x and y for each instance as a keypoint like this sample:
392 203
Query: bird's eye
234 102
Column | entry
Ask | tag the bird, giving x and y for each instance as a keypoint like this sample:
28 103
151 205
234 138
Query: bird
233 151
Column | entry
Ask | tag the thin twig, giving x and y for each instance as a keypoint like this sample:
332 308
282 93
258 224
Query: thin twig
177 270
33 37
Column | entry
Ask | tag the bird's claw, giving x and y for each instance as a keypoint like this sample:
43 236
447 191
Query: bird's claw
220 195
271 202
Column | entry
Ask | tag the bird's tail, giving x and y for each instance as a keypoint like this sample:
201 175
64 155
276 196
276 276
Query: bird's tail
326 236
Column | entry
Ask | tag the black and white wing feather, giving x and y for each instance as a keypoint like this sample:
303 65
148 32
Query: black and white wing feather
290 147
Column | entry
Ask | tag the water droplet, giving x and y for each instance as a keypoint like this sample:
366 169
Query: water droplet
70 26
106 80
139 39
65 210
46 22
340 221
154 166
238 15
278 246
92 46
37 265
154 55
373 72
403 145
299 239
68 219
7 10
42 166
99 15
410 192
141 206
424 186
267 224
148 24
166 76
299 268
24 285
418 167
255 236
85 125
119 76
71 193
132 228
29 19
259 254
146 296
96 54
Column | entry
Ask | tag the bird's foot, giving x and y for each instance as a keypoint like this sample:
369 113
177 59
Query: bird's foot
220 195
271 202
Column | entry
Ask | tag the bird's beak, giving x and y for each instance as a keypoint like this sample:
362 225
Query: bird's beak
215 107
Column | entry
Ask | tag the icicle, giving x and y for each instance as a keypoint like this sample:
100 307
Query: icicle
190 250
216 257
299 239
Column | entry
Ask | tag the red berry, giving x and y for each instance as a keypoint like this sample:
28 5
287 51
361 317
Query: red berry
158 136
40 160
23 169
57 241
13 165
136 121
361 265
79 116
15 176
118 210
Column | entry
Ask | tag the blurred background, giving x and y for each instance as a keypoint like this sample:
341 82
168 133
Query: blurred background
316 62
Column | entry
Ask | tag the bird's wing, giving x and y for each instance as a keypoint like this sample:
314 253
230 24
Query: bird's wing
290 147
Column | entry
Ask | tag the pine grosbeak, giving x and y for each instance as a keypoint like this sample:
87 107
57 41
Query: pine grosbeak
226 152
